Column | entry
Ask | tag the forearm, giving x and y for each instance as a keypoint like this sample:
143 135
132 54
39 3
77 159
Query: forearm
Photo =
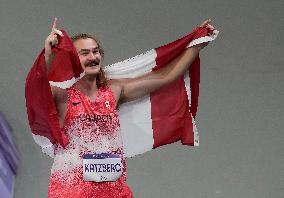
179 65
147 83
48 61
172 70
137 87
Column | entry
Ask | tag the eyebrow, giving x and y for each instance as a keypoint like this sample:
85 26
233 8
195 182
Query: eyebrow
86 50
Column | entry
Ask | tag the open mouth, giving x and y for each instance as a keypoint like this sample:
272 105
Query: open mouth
93 64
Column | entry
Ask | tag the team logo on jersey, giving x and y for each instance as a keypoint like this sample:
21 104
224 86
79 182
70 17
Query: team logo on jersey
107 104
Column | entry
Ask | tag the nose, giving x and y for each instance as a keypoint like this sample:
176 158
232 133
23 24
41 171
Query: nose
92 56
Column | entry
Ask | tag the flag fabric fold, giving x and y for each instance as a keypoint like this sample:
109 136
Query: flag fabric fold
162 117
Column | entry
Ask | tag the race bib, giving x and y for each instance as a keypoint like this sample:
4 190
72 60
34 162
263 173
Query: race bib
102 167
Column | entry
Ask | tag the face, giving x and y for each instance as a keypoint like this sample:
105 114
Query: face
89 55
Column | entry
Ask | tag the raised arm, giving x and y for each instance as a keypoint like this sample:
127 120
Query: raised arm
59 95
50 41
134 88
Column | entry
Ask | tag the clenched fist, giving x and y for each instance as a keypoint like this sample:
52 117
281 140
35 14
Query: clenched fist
205 24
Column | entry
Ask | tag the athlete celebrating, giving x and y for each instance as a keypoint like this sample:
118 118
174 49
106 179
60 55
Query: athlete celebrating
87 113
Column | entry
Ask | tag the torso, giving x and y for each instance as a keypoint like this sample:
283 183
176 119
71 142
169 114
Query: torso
92 126
61 99
84 115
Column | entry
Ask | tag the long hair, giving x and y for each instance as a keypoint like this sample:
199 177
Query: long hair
101 79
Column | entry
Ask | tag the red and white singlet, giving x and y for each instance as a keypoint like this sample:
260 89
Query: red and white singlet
92 127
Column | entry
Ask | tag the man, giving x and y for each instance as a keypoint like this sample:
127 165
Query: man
87 114
124 89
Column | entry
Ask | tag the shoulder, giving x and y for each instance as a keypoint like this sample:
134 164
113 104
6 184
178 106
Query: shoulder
115 87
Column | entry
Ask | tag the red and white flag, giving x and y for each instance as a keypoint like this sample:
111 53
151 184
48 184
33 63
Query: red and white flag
162 117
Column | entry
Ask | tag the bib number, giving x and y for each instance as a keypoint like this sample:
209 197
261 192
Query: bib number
102 167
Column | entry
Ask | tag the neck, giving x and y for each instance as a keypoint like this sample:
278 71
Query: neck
88 85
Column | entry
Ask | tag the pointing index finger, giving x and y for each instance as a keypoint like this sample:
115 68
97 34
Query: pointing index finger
54 23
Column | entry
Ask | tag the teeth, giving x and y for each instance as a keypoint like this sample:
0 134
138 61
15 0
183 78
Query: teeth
94 64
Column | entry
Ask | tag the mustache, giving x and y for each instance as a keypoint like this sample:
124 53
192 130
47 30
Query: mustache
95 62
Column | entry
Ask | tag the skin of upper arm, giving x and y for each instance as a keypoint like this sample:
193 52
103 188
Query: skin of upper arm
60 99
134 88
59 95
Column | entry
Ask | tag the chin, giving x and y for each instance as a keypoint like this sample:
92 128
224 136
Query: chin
92 71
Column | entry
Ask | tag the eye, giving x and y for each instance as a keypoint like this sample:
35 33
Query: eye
84 54
96 51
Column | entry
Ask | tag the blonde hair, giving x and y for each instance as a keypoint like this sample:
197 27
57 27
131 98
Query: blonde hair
101 79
